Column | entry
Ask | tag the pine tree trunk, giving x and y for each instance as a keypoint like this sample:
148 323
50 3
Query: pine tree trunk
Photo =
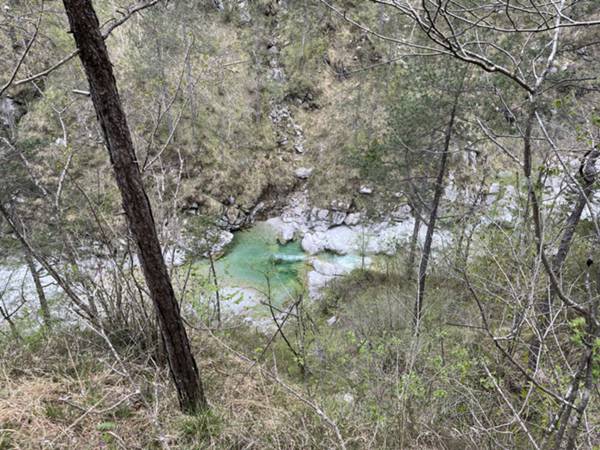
103 88
439 191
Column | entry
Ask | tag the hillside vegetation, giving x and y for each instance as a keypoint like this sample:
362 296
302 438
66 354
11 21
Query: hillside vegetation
427 176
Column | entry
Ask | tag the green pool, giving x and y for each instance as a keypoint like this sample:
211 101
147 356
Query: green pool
257 267
257 261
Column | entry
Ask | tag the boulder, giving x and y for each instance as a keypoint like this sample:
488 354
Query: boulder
401 213
342 240
285 230
328 268
313 243
223 240
303 172
386 238
319 219
337 217
352 219
234 218
340 205
321 214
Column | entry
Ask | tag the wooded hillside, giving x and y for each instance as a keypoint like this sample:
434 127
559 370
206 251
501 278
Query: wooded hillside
299 224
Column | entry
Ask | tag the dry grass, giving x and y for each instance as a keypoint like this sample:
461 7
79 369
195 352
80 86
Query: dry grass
91 401
97 411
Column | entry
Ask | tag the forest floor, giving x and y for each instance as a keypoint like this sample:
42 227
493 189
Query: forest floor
68 391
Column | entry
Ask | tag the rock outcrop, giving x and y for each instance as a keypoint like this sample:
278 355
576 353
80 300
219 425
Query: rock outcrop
339 231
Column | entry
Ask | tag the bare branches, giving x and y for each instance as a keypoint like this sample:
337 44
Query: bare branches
512 408
460 31
309 402
487 15
403 42
84 309
113 24
24 54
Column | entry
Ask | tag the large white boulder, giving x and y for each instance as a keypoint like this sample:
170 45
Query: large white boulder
285 230
343 240
313 243
328 268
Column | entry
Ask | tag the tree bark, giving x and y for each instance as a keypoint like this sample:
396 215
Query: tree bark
103 88
412 253
45 310
439 190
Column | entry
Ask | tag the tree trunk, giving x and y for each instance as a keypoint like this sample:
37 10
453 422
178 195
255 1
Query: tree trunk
588 178
412 253
439 190
45 310
217 295
103 88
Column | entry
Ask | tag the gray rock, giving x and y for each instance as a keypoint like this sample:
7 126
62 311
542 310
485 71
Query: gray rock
338 217
234 218
285 230
340 205
316 283
494 189
224 239
322 214
401 213
329 268
313 243
257 208
10 113
365 190
277 74
341 240
303 172
352 219
244 12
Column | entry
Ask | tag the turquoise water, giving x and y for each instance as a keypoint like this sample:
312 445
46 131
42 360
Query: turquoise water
348 262
256 260
256 266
